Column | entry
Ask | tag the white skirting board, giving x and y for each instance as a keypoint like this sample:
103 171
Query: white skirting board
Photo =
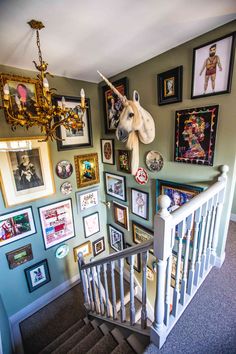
233 217
34 307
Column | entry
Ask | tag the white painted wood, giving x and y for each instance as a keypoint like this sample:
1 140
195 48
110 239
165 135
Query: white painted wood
100 294
200 246
219 208
233 217
212 228
167 291
122 303
181 229
90 292
144 290
206 238
108 312
113 291
131 281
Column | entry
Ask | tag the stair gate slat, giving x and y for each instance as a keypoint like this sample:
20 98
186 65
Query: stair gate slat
200 246
122 302
186 259
176 295
132 307
113 291
90 289
207 232
83 277
167 291
144 290
94 275
197 219
212 227
107 305
100 290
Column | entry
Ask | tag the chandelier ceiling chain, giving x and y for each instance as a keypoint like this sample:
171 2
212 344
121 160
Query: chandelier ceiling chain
17 113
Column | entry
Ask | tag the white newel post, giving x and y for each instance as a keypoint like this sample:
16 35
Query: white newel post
162 251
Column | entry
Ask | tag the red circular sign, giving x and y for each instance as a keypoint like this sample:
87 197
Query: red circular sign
141 176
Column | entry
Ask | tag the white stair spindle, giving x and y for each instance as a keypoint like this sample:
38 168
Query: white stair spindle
144 290
106 290
201 239
83 277
90 289
113 291
212 228
122 302
167 292
100 290
207 232
94 288
132 307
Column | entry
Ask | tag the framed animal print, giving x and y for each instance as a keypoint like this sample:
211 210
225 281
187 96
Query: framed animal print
116 238
140 203
112 105
87 170
91 224
37 275
213 67
195 135
115 185
124 161
108 153
74 138
170 85
121 215
98 246
25 170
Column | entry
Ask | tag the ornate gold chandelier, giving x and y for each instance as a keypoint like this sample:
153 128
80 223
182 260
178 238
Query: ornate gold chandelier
46 111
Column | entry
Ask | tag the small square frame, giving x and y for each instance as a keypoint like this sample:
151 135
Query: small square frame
170 85
37 275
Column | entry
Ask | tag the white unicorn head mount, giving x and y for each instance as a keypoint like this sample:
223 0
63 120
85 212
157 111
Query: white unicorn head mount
135 124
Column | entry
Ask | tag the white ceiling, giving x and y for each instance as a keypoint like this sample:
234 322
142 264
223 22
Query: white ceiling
112 36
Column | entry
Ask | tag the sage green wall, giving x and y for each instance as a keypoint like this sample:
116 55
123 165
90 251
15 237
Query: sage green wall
13 287
5 335
234 203
143 78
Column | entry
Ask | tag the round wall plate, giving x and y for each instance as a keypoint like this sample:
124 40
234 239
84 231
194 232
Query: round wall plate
141 176
62 251
154 161
64 169
66 188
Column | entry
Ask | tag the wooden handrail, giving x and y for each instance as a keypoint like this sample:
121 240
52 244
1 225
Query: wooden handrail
144 246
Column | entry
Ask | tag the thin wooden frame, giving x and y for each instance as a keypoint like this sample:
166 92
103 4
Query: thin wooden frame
26 175
74 139
115 185
16 225
57 222
107 151
91 224
121 215
170 85
100 242
19 256
213 75
116 238
37 275
140 203
85 248
87 170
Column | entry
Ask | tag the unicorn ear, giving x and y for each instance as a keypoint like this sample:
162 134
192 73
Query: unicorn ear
136 97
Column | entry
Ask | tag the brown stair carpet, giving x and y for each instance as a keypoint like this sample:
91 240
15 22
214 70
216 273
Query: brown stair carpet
138 309
73 340
87 343
63 337
123 348
104 346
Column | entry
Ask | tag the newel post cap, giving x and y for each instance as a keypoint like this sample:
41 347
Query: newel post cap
164 201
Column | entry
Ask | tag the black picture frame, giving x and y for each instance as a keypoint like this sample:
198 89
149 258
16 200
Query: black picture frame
74 140
142 214
108 153
135 227
122 86
137 262
170 86
124 160
119 186
116 245
41 274
100 240
221 65
86 226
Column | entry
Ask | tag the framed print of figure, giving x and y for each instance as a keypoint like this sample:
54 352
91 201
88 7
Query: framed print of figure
116 238
213 67
112 105
139 203
195 135
108 153
170 86
37 275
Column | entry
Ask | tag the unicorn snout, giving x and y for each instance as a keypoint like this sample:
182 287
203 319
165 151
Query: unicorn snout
122 134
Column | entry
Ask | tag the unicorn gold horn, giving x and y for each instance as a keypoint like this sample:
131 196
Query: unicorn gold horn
121 97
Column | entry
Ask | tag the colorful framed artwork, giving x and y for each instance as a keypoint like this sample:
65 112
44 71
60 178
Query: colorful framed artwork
25 170
85 248
116 238
121 215
124 161
91 224
87 199
74 138
112 105
137 259
115 185
19 256
179 194
195 135
140 203
213 67
98 246
87 169
25 88
108 154
57 222
169 84
37 275
141 234
16 225
64 169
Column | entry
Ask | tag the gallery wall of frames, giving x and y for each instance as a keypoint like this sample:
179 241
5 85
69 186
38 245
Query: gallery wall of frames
51 208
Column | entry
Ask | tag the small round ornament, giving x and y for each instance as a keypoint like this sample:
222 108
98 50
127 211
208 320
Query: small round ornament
62 251
141 176
66 188
154 161
64 169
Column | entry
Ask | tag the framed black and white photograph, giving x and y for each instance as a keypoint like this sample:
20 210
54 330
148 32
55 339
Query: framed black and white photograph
37 275
137 259
87 199
98 246
91 224
108 153
140 203
170 85
116 238
213 67
74 138
115 185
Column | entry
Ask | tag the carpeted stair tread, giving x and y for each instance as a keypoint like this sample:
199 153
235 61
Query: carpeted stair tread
104 346
74 340
123 348
138 309
62 338
87 343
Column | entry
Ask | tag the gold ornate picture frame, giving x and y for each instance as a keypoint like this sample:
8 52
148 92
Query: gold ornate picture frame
87 170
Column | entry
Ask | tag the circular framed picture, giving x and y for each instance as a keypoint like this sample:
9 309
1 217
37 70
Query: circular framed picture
64 169
154 161
66 188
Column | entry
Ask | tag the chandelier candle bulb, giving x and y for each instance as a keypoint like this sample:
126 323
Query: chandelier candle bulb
63 102
45 84
82 95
